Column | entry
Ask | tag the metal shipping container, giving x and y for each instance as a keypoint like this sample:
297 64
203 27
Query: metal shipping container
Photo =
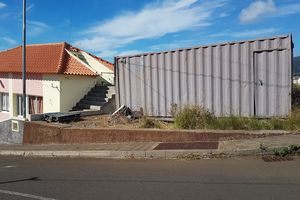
246 78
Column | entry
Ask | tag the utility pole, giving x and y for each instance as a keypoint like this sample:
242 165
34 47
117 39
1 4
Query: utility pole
24 60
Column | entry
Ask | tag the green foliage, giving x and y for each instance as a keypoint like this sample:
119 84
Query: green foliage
229 123
293 121
287 151
196 117
294 147
193 117
276 124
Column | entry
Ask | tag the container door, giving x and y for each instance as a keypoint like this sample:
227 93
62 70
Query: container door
272 83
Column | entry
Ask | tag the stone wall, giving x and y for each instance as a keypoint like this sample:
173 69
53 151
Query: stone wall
9 136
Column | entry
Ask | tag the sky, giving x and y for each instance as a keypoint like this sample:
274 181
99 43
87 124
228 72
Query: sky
109 28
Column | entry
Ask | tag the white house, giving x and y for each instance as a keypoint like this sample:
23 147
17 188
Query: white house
58 76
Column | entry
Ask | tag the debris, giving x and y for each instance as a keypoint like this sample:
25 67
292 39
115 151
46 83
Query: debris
127 112
136 114
61 117
122 111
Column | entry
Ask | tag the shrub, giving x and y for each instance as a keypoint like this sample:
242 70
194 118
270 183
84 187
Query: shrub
231 123
255 124
193 117
276 124
146 122
293 121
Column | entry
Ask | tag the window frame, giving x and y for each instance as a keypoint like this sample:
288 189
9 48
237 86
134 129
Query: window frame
36 104
4 104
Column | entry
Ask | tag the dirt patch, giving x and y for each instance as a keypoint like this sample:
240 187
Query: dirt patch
104 121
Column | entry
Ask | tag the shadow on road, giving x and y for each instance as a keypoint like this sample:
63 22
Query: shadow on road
20 180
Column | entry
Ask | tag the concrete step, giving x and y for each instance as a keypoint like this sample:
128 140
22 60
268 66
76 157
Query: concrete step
83 106
104 88
94 98
75 108
101 90
95 103
107 92
97 94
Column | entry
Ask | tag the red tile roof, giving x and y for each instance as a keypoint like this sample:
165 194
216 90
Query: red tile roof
44 59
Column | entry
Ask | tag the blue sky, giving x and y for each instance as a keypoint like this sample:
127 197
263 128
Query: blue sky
109 28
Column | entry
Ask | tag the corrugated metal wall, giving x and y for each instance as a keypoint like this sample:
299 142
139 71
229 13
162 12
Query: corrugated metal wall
247 78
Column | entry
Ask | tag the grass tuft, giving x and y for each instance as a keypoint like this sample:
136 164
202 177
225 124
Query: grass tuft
146 122
193 117
198 118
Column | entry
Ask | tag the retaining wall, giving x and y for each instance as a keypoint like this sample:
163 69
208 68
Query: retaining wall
43 133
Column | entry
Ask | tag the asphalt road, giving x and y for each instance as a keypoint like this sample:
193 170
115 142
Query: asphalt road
72 179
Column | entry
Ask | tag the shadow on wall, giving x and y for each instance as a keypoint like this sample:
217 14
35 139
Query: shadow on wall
11 132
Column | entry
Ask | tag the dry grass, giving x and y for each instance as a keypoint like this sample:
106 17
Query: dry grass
198 118
195 118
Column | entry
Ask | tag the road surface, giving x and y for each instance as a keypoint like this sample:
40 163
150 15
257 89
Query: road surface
91 179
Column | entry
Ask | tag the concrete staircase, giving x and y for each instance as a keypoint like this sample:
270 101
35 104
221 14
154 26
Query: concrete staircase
96 98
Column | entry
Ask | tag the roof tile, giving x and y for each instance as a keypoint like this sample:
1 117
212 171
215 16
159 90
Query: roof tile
43 59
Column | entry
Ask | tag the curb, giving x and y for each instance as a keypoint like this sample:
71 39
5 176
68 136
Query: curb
153 154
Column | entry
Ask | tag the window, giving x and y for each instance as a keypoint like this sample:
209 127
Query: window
19 105
4 102
35 105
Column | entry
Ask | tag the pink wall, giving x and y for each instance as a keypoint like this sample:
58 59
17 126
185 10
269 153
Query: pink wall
4 82
4 116
34 84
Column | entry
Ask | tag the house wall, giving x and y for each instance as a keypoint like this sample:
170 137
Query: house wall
34 84
12 84
34 87
4 116
60 92
4 87
51 93
296 80
105 73
73 88
4 82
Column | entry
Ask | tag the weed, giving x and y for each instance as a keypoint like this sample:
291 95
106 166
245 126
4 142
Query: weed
294 148
146 122
255 124
287 151
276 124
174 109
193 117
196 117
293 121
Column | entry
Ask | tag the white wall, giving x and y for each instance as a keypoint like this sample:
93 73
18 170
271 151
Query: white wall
51 93
296 81
106 73
60 92
73 88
